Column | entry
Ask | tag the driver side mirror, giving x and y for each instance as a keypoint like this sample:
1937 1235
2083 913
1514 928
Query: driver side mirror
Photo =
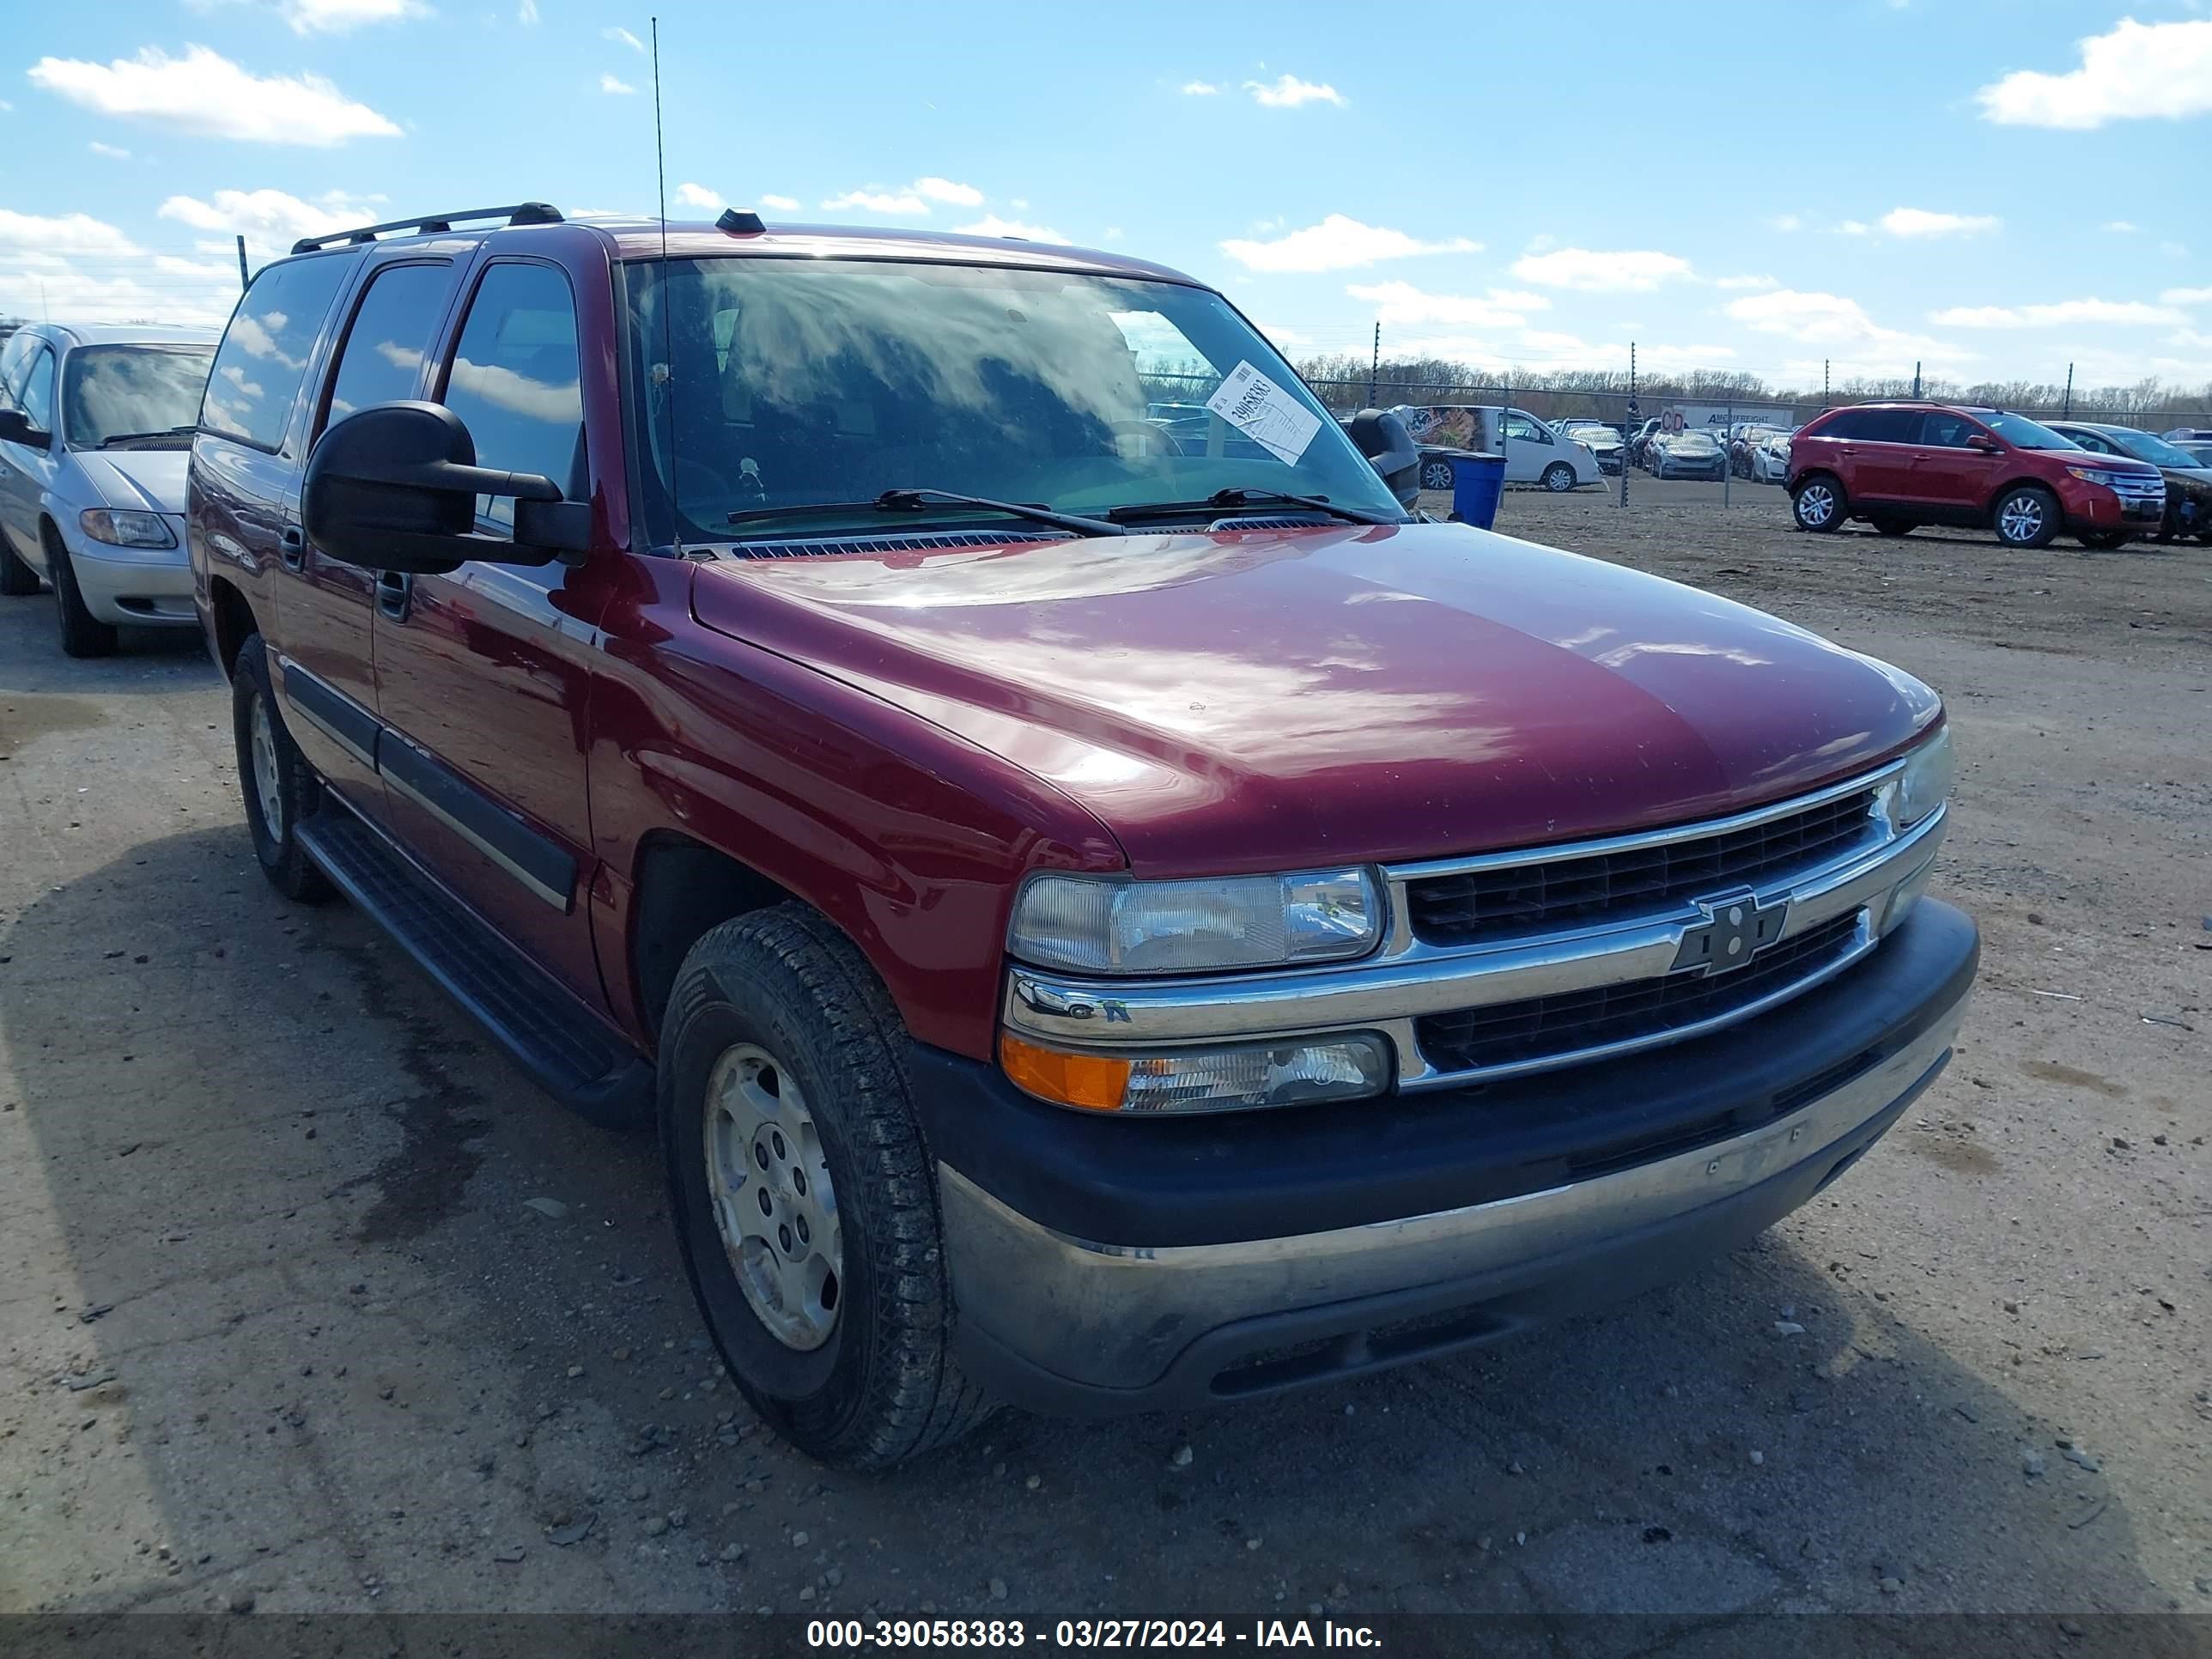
16 427
1983 441
1381 437
394 487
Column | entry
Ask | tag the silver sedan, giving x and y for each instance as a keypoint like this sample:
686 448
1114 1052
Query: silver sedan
96 425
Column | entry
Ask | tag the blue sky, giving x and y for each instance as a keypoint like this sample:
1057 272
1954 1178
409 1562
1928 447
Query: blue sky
1994 187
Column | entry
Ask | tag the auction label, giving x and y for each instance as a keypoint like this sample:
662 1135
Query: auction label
1264 412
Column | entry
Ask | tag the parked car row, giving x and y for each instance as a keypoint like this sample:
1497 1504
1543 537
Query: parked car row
1535 453
1897 466
1014 1032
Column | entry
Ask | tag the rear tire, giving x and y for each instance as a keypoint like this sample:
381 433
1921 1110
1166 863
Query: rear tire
83 634
775 1017
1558 478
1817 504
17 579
2026 516
2104 541
1436 475
280 789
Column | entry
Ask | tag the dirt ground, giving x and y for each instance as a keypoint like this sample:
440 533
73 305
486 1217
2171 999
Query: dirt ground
281 1328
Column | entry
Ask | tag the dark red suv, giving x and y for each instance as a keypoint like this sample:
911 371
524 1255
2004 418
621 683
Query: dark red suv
1901 466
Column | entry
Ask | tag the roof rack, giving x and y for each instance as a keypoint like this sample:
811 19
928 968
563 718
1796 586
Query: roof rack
521 213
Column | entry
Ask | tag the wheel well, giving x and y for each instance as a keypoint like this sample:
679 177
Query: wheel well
233 621
2011 484
684 888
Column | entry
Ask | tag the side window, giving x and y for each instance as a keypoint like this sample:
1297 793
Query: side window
37 398
2091 440
382 358
1887 426
1944 431
13 357
262 361
1846 426
514 382
1523 428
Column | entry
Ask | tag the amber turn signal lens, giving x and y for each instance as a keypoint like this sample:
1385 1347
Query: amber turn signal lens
1090 1081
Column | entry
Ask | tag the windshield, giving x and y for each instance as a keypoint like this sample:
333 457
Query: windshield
2024 434
2156 451
120 390
773 384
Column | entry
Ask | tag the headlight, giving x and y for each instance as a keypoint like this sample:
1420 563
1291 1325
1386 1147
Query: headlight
1925 783
1282 1073
1094 926
123 527
2096 474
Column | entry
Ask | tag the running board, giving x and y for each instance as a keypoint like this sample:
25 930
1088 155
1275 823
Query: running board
538 1021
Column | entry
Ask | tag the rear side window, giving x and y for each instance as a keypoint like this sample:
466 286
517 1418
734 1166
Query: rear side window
262 361
1887 426
381 361
1849 423
514 380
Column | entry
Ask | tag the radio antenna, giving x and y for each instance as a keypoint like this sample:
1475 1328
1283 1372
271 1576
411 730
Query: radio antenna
666 374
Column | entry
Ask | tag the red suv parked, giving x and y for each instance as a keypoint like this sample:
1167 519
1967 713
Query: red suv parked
1103 916
1901 466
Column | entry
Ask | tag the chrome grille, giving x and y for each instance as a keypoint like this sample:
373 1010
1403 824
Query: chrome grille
1469 905
1530 1032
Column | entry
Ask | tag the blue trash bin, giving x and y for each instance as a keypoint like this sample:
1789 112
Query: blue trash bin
1478 481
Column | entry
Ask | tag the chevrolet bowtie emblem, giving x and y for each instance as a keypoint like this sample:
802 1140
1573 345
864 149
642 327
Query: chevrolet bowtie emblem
1735 931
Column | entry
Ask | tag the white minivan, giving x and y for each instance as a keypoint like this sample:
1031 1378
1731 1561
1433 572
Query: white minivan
1535 454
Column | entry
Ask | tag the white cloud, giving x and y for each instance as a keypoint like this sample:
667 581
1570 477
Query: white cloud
526 13
698 195
781 203
108 150
269 220
1278 336
1401 305
1337 243
622 37
205 93
991 225
37 267
1746 283
609 84
2121 226
1855 228
1839 325
2139 70
33 235
2057 315
1628 271
946 191
872 199
336 16
1113 233
1198 89
1785 221
1918 221
2186 296
1288 92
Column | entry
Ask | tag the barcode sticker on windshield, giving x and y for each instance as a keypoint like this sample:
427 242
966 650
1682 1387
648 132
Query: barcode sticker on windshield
1265 413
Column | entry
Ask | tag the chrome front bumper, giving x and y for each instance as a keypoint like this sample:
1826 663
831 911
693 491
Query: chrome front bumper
1067 1324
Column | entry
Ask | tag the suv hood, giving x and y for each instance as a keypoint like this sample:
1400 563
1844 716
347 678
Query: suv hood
1271 699
151 480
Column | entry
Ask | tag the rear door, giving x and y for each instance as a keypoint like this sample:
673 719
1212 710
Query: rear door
1879 457
1951 481
484 673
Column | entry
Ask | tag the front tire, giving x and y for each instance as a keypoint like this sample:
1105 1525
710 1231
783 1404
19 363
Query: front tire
2104 541
17 579
1817 504
1558 478
840 1332
1895 526
2026 516
280 788
83 633
1436 475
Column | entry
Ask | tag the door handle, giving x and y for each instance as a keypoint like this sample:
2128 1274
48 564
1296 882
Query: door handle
292 547
395 591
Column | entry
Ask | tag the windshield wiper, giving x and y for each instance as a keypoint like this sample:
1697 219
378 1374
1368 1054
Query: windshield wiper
914 501
1236 497
115 437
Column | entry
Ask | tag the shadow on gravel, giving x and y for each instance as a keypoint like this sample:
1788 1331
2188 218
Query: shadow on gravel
294 1190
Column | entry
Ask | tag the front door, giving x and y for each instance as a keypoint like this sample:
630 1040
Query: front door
1529 446
1951 480
485 674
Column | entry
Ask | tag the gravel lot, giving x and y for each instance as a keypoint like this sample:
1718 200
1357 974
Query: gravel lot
286 1323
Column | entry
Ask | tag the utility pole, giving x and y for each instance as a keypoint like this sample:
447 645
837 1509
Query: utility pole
2070 392
1824 382
1631 421
244 277
1916 382
1375 364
